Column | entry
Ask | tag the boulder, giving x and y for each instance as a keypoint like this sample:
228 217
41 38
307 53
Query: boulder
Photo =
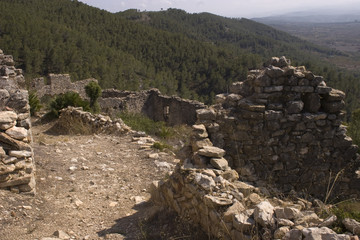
280 233
352 225
204 181
243 222
236 208
219 163
213 152
264 214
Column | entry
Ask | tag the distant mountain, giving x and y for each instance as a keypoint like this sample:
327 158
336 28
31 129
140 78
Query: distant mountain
192 55
340 14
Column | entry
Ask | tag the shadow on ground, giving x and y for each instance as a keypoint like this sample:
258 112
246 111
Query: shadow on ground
153 223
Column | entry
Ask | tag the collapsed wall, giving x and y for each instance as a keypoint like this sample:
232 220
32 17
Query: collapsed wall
281 129
17 159
283 126
56 84
170 109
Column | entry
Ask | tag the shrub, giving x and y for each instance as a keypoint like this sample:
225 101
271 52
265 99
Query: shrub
354 126
34 103
93 91
64 100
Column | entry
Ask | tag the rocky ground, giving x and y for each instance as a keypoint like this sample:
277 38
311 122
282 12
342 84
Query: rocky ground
92 187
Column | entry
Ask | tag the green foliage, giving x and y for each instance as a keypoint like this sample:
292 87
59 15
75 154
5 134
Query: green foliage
34 103
354 127
64 100
161 146
347 209
93 91
193 55
140 122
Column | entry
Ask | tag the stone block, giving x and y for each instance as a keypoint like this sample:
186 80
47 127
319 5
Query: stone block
264 214
294 107
212 152
219 163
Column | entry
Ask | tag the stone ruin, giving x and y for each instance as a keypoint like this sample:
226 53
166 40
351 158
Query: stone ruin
281 130
56 84
170 109
17 166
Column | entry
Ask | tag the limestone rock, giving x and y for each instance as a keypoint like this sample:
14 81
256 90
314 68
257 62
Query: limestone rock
243 222
200 131
312 102
196 145
18 133
335 95
213 152
309 219
206 114
219 163
263 214
20 154
236 208
280 233
284 222
352 225
329 221
245 188
294 107
214 202
7 119
230 175
204 181
287 213
10 143
293 234
319 233
61 234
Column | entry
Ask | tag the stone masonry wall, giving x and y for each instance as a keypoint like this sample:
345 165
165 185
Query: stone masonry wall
170 109
16 155
59 84
283 126
206 191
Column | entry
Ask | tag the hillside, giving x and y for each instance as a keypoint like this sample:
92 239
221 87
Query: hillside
192 55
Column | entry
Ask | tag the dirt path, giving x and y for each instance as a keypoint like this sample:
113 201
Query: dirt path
91 187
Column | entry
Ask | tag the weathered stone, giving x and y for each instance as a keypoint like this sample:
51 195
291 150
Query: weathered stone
329 221
230 175
287 213
243 223
200 131
263 214
274 72
4 169
312 102
219 163
7 119
294 107
213 152
335 95
20 154
61 234
293 234
309 219
214 202
280 232
17 181
206 114
284 222
352 225
273 89
302 89
196 145
319 233
333 107
204 181
18 133
236 208
200 161
10 143
273 115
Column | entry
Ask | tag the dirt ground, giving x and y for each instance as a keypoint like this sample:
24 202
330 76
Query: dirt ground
92 187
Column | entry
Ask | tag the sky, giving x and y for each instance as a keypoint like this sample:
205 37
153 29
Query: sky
227 8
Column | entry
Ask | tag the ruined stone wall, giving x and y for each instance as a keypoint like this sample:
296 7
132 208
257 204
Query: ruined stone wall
59 84
16 155
207 193
283 126
74 120
172 110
